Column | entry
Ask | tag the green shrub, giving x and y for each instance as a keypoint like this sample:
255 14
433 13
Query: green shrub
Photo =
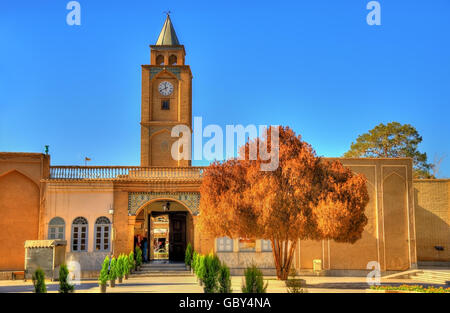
224 279
39 281
103 278
194 261
188 255
64 286
120 267
131 260
126 260
254 281
113 269
138 256
211 273
201 267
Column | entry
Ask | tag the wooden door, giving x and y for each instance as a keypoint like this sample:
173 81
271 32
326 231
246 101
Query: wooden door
177 236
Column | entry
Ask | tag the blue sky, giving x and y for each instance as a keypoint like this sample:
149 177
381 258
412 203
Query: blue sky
313 65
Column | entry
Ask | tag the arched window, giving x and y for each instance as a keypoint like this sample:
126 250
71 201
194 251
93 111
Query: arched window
102 234
79 234
56 228
173 60
160 60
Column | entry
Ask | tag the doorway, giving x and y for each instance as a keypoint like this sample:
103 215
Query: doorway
177 236
167 231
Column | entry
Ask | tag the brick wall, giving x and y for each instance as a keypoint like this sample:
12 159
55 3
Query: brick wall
432 213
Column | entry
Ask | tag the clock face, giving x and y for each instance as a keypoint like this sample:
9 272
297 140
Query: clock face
165 88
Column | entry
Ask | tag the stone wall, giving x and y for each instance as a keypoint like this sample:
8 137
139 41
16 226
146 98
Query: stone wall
20 204
388 238
432 207
89 261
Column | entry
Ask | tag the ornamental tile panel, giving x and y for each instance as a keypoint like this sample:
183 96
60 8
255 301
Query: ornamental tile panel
137 199
155 70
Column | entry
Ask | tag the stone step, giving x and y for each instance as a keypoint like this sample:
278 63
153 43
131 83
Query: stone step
436 273
163 267
403 275
434 281
163 264
427 276
161 273
164 270
436 277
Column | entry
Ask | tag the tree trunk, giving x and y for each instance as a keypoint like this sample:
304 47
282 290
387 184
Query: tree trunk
283 254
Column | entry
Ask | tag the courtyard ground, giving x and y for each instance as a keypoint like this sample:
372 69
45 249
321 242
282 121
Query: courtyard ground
188 284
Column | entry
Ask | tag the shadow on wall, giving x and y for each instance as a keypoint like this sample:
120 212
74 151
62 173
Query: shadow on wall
432 233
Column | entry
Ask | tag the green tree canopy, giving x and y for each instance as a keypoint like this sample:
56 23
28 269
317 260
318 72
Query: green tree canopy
393 140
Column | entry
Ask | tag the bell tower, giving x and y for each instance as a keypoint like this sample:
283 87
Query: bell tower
166 99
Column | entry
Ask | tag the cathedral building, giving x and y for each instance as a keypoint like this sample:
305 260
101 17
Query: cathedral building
100 210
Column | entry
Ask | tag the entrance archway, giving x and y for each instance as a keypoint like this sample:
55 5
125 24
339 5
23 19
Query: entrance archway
166 225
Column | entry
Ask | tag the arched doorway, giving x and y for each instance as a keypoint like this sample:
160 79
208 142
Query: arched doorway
166 225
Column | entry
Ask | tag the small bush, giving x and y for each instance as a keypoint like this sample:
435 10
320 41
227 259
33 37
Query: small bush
64 286
211 273
201 267
138 256
194 261
120 267
113 269
131 260
103 278
254 281
126 260
295 285
188 255
224 279
39 281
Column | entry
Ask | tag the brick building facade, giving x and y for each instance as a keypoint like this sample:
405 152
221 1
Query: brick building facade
100 210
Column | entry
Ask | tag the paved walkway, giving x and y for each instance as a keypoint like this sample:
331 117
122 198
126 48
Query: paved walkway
189 285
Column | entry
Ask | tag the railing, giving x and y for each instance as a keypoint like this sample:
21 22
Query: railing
123 173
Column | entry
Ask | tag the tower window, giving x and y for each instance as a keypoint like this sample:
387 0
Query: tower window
173 60
165 104
160 60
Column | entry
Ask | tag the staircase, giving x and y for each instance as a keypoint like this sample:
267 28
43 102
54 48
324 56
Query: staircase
161 269
433 276
430 276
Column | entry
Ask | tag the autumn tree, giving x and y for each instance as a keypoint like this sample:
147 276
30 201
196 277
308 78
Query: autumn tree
305 197
392 140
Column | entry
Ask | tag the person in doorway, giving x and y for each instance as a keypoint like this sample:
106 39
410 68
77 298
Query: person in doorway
139 241
144 245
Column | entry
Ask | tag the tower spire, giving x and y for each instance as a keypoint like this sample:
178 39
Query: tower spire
167 37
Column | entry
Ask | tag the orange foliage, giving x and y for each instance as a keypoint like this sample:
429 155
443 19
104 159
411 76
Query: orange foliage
306 197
